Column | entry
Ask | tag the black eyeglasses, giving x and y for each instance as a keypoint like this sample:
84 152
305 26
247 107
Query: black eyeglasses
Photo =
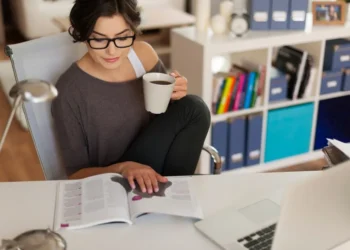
119 42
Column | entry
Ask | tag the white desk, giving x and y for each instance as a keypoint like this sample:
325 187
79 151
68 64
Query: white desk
30 205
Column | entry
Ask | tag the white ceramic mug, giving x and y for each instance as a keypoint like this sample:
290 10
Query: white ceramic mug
157 88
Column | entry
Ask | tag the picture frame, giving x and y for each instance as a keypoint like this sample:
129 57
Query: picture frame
329 12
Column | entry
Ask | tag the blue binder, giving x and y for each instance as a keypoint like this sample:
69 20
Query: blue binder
236 145
297 14
219 141
259 14
337 54
279 14
253 133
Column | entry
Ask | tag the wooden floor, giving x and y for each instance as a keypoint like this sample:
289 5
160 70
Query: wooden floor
18 158
19 161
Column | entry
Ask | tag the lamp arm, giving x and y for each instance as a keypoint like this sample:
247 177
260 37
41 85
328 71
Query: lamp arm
13 112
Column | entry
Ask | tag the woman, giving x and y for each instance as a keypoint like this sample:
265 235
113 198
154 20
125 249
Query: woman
99 114
333 15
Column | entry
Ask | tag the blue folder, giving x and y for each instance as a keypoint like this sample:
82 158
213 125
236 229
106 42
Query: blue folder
259 11
219 140
279 14
297 14
236 145
253 134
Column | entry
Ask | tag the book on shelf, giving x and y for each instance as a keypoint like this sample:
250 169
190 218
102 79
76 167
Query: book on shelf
109 198
310 82
243 98
238 89
299 65
261 78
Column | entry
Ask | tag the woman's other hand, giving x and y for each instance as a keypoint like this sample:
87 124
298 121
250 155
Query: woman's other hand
180 88
145 176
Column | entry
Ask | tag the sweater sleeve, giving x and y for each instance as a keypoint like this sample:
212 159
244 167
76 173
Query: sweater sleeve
66 111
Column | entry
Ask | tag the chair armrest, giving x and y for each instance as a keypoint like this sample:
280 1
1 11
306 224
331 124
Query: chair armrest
215 156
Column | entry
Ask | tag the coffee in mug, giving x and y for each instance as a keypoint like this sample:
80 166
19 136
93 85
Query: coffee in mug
157 88
161 82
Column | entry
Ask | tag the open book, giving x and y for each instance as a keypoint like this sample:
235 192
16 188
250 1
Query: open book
109 198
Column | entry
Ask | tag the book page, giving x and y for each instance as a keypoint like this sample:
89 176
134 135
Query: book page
176 197
91 201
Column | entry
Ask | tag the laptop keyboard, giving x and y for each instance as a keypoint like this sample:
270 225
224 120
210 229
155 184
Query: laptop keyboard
260 240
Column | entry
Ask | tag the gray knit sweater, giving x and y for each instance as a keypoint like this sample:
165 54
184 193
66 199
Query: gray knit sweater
96 120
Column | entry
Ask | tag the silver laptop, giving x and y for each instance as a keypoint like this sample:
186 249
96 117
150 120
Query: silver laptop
314 215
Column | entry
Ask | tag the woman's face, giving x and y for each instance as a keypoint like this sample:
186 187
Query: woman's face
110 27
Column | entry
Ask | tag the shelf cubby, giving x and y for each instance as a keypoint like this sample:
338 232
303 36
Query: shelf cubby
314 49
226 82
288 131
333 121
240 138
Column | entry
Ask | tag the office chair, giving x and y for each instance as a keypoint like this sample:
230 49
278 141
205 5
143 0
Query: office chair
47 58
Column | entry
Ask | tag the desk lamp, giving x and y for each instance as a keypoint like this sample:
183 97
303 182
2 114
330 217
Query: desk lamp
34 91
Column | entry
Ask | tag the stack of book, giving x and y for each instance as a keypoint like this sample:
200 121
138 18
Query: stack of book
299 66
241 88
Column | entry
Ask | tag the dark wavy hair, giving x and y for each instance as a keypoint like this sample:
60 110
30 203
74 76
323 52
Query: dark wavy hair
85 13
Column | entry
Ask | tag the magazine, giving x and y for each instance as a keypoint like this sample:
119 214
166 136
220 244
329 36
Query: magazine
109 198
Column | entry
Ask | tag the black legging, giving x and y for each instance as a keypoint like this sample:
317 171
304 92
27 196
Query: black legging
171 144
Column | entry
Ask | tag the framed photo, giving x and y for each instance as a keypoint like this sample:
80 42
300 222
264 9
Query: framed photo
329 12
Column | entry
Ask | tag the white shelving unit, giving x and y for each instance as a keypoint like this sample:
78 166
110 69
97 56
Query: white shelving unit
192 54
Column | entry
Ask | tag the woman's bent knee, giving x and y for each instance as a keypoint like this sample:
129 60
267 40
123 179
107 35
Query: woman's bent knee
197 109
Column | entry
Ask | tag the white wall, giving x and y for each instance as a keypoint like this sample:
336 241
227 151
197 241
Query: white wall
214 6
178 4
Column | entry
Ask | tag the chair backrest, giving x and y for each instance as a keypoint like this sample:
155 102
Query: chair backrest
44 58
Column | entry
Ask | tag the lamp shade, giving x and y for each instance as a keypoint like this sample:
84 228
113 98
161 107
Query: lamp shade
31 90
34 90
